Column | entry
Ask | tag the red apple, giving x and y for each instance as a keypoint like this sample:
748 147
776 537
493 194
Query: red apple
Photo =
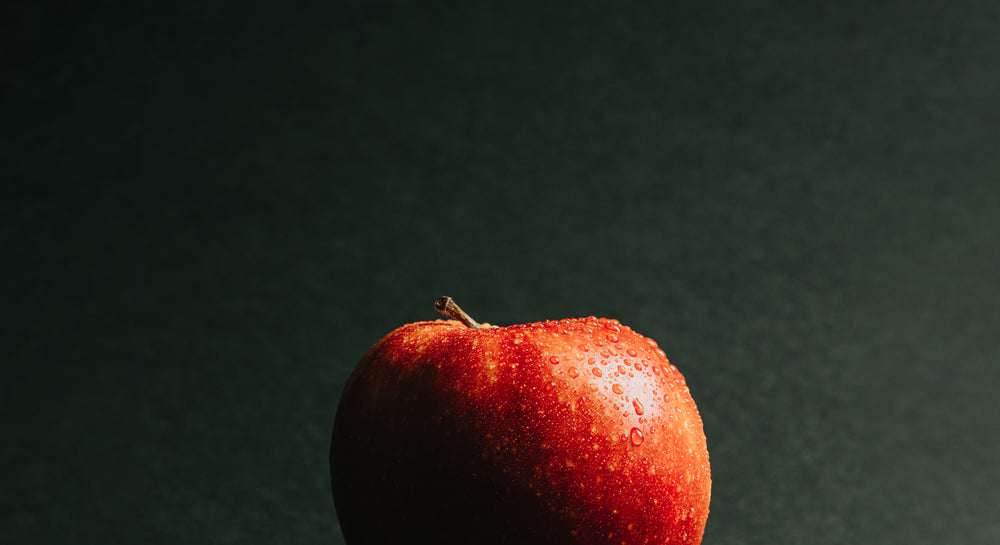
576 431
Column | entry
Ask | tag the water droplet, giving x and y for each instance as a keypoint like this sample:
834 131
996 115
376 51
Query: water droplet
636 436
553 359
621 369
550 386
656 370
613 338
584 348
651 342
573 372
661 353
596 371
638 406
599 343
666 398
638 366
591 361
631 352
617 388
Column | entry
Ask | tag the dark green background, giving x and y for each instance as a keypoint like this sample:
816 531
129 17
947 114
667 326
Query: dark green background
210 211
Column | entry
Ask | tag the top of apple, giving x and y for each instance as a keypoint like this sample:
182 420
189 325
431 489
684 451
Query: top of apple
572 419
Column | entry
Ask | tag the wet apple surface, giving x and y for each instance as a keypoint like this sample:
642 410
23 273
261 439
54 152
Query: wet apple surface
569 431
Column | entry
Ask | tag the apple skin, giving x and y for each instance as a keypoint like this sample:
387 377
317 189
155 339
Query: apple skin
577 431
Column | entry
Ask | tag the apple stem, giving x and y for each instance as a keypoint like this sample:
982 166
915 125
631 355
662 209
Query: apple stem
447 305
